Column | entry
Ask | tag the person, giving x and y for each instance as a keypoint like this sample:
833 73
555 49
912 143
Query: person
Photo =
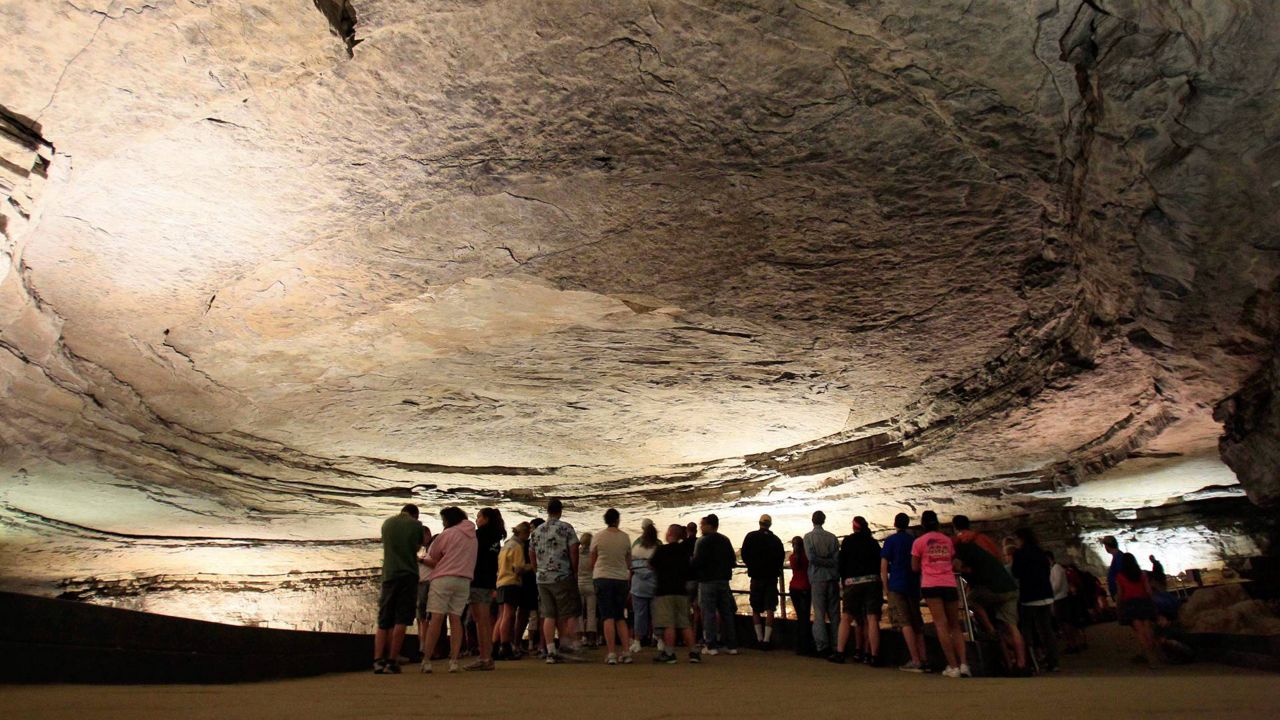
512 566
861 593
402 535
763 554
993 591
424 584
1035 595
671 570
822 550
452 559
529 618
1080 599
642 583
1135 606
554 555
690 541
587 591
490 532
931 555
966 534
1157 575
1112 548
904 592
801 596
610 570
713 563
1063 602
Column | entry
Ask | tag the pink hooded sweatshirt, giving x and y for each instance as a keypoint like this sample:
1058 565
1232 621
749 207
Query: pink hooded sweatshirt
454 551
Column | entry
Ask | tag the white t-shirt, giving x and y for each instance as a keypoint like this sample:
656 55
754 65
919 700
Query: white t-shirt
611 548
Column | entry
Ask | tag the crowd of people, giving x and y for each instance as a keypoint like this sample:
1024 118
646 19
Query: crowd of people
546 590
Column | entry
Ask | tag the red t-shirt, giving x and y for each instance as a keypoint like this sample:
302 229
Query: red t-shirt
799 572
1127 589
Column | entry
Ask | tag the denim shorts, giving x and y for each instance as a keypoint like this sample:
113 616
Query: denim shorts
611 598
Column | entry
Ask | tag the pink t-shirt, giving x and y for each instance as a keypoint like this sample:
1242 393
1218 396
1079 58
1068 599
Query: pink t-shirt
935 551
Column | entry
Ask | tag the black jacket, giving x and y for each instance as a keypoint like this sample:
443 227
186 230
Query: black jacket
713 558
859 555
670 565
763 554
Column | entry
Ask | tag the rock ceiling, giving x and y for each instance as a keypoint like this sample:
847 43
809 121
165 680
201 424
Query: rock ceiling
271 266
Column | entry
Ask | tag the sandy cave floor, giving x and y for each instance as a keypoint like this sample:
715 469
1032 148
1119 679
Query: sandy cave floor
1100 682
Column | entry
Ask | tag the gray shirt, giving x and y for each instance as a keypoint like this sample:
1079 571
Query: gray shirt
823 551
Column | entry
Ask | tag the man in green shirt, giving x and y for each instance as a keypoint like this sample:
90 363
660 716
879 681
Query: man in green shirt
994 592
402 535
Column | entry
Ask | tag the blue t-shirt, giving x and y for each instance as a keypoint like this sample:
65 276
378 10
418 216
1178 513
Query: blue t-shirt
897 550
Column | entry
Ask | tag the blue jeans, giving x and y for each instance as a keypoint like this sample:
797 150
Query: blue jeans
717 607
642 607
826 613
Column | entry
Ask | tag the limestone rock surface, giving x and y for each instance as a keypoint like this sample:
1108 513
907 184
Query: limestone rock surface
271 269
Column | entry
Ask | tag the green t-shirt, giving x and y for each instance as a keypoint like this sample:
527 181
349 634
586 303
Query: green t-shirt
985 571
401 538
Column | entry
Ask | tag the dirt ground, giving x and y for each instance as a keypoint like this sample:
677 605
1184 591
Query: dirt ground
1098 683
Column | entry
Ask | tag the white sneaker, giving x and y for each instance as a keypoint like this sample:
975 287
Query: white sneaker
626 659
731 651
453 666
951 672
611 660
635 647
710 651
965 671
426 667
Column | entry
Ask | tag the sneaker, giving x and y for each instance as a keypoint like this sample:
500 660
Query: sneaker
874 661
393 668
453 666
611 660
731 651
480 665
695 657
965 671
425 668
951 672
836 657
379 667
626 659
912 667
635 647
710 651
665 658
553 659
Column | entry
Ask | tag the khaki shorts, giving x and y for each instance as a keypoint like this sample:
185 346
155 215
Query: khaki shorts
1000 607
448 595
559 600
671 611
483 596
904 611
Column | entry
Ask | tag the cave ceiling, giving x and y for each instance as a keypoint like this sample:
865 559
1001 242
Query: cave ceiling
272 267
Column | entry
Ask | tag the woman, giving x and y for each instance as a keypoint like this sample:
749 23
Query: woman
643 583
511 565
490 532
801 596
611 571
932 556
452 559
1134 603
1032 569
587 589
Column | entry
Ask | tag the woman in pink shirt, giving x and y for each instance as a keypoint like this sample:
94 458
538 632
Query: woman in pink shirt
931 556
452 559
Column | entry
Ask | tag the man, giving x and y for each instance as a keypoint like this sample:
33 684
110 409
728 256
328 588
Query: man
992 590
553 552
610 570
713 563
402 535
670 565
1112 548
965 534
763 554
490 532
689 542
452 559
904 592
823 550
